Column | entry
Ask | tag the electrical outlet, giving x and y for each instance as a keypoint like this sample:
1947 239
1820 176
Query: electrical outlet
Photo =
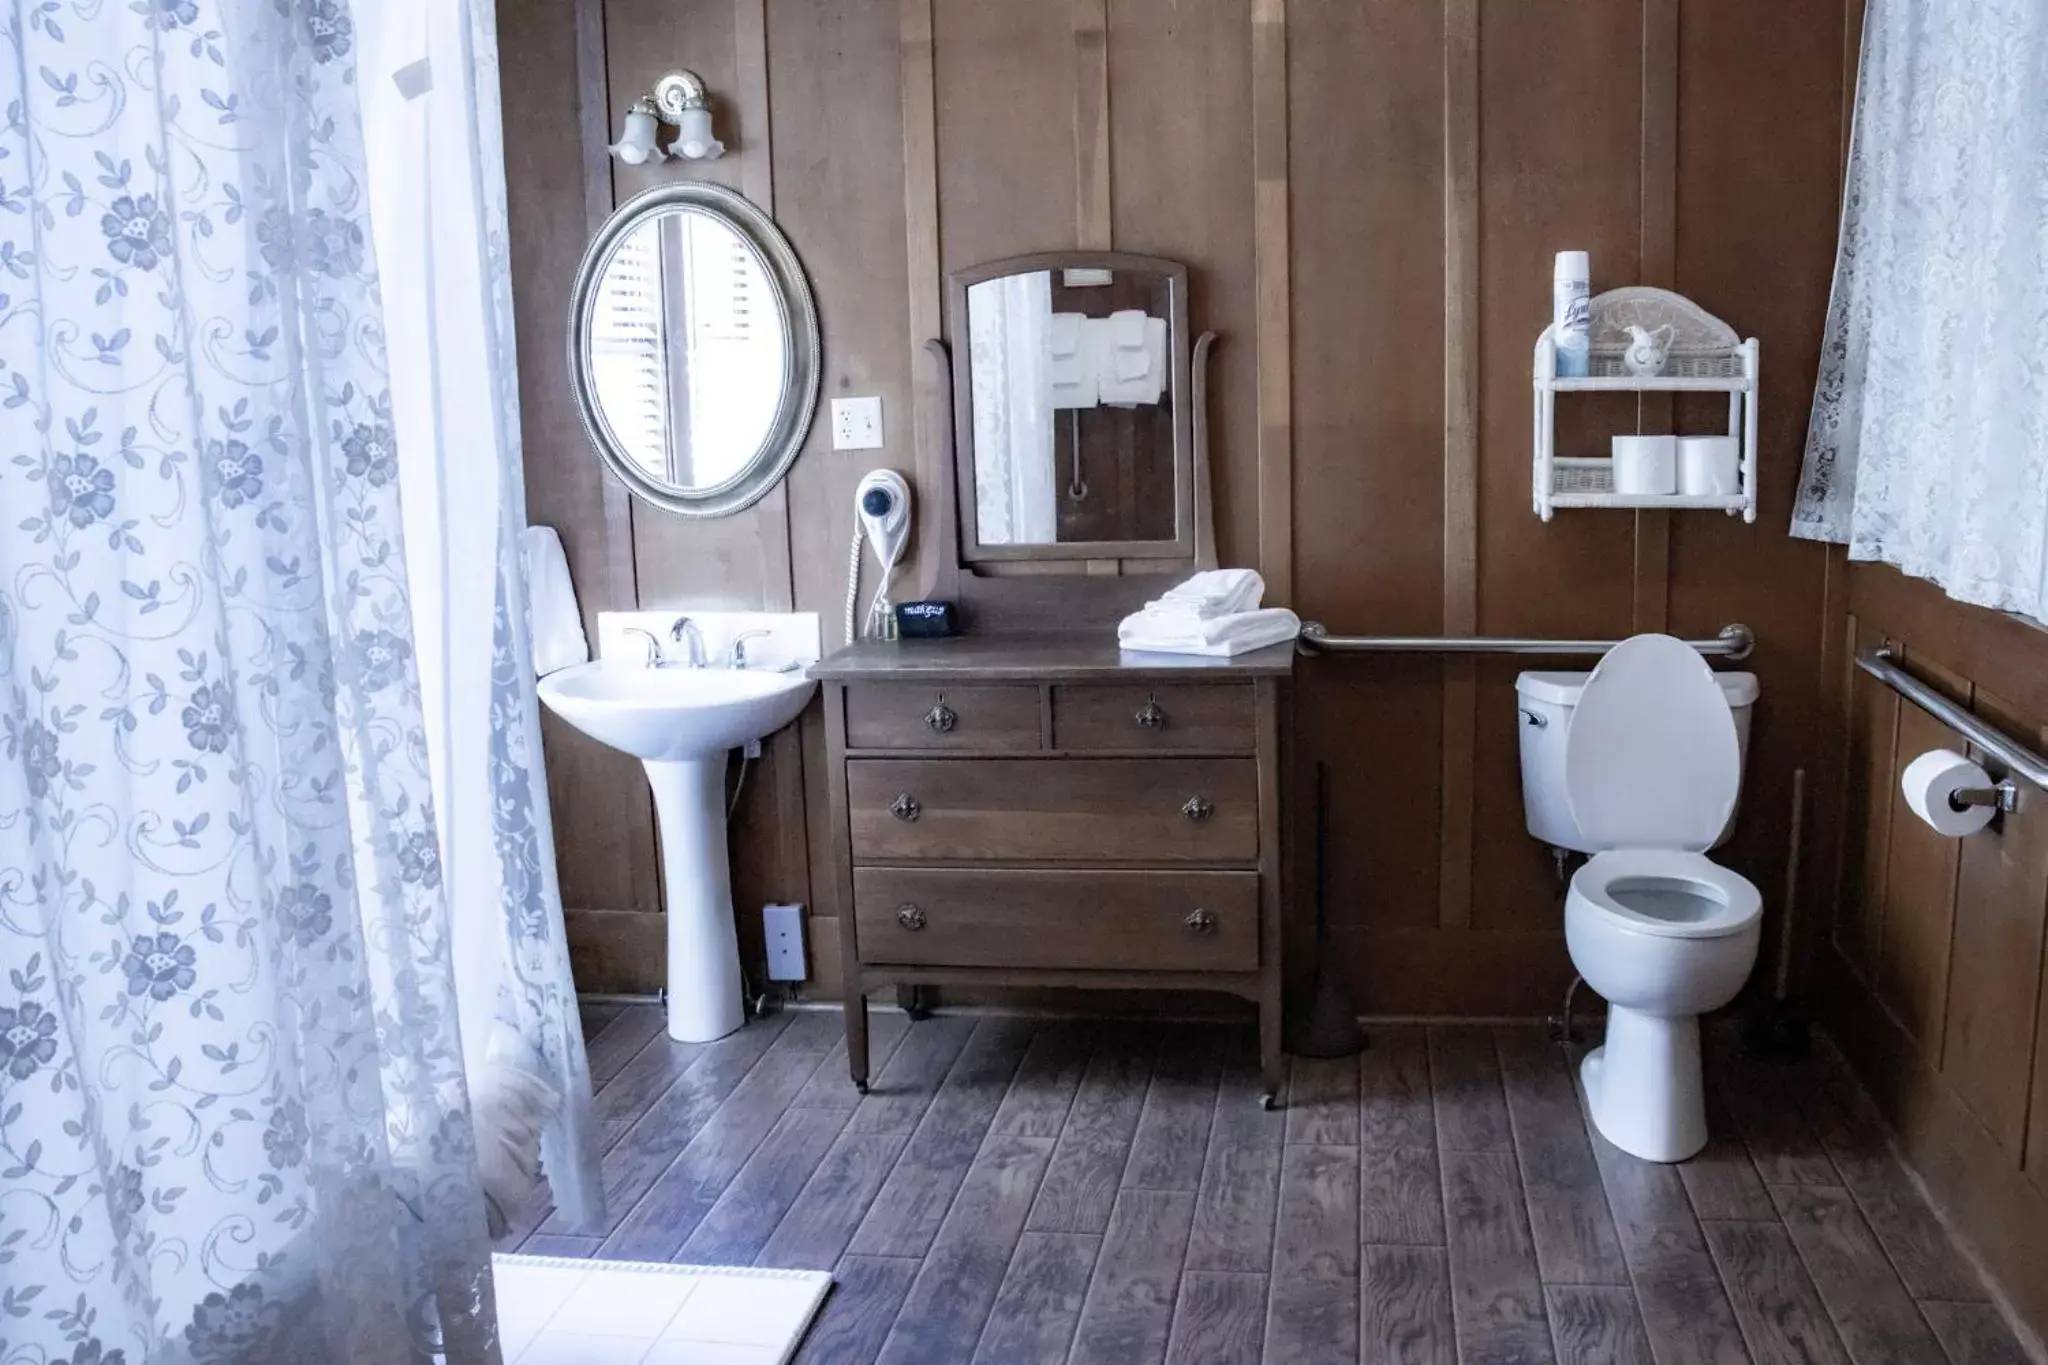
784 926
857 423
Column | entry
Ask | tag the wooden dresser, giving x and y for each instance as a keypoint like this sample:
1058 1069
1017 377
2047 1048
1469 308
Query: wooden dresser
1047 811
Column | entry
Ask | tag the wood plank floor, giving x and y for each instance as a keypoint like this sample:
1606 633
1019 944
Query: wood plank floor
1024 1190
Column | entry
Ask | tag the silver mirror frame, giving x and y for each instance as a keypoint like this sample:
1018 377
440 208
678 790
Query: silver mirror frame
802 363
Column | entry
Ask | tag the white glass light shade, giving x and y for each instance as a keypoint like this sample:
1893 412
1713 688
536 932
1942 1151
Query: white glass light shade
694 140
636 145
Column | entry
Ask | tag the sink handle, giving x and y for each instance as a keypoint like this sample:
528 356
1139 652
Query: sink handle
737 656
654 655
905 808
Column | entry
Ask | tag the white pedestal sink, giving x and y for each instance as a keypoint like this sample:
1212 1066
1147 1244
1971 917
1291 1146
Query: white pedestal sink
680 723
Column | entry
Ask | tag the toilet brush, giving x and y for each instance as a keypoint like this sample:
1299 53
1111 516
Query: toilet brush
1330 1028
1779 1028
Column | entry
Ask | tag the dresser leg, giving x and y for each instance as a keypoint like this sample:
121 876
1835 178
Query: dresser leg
1272 1061
857 1040
914 1001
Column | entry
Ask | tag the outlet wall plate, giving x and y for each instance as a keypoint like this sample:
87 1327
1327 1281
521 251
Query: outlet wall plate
857 423
783 927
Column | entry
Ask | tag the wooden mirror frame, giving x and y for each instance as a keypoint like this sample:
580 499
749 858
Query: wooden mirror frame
1070 593
1180 393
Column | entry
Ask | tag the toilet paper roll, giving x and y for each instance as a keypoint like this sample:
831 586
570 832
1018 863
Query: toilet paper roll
1646 465
1927 783
1709 466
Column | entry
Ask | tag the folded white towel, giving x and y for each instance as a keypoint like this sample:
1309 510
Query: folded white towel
1070 365
1063 337
1072 383
1132 365
1216 592
557 624
1220 637
1127 329
1123 381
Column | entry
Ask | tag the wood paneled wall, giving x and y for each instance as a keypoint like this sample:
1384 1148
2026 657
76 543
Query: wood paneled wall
1368 194
1441 155
1931 967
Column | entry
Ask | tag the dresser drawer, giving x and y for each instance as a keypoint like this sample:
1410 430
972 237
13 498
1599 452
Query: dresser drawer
981 716
1126 921
1173 716
1128 810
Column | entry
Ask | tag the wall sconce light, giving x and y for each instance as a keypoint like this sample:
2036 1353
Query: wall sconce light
678 99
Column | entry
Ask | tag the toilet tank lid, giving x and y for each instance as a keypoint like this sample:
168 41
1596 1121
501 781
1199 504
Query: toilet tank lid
1563 689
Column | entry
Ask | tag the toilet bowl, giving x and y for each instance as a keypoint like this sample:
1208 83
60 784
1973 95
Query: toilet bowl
1651 767
1664 937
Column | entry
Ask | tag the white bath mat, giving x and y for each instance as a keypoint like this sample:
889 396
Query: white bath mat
553 1311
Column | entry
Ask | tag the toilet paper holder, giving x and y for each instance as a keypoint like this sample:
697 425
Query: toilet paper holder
2012 757
2004 795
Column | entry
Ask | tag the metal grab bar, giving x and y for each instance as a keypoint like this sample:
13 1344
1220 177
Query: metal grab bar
1734 642
2017 758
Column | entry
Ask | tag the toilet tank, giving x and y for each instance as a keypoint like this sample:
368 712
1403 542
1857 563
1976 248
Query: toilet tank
1546 701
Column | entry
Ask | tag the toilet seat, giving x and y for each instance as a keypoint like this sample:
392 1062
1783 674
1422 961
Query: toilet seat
1651 758
1667 893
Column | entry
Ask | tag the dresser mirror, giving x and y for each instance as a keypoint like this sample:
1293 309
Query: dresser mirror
1074 417
694 349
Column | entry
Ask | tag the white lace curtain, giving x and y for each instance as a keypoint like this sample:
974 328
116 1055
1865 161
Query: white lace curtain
235 1115
1017 504
430 100
1928 443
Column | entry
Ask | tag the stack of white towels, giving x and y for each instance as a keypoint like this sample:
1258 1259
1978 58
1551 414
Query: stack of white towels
1117 361
1215 613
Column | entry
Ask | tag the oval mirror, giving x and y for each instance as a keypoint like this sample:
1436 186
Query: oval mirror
693 349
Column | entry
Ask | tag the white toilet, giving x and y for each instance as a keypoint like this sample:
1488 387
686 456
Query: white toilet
1648 761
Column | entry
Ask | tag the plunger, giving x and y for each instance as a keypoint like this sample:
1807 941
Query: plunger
1779 1028
1330 1027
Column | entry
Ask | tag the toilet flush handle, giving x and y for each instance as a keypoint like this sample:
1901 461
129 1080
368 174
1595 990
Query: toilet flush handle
1536 722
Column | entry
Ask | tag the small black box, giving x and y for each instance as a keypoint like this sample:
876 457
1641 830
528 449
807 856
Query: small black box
924 620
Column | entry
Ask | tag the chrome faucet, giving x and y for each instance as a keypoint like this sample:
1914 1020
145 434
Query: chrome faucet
685 631
737 658
654 655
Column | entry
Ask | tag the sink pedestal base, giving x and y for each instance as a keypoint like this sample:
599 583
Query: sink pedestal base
706 998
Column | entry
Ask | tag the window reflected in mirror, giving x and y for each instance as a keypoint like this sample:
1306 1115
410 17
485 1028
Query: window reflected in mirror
688 350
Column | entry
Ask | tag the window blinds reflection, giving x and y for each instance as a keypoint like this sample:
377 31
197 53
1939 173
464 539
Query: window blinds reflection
628 360
687 350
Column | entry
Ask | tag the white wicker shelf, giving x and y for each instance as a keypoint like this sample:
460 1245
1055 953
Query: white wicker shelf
1590 483
1706 356
1609 383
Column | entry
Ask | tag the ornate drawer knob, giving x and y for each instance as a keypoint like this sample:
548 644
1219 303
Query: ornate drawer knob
1152 716
941 719
910 917
1198 809
905 808
1201 921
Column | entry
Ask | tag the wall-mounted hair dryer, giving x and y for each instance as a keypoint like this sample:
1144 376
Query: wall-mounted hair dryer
881 507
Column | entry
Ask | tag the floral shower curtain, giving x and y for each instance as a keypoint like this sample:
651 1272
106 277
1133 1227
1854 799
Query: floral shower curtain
234 1122
1928 444
428 78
